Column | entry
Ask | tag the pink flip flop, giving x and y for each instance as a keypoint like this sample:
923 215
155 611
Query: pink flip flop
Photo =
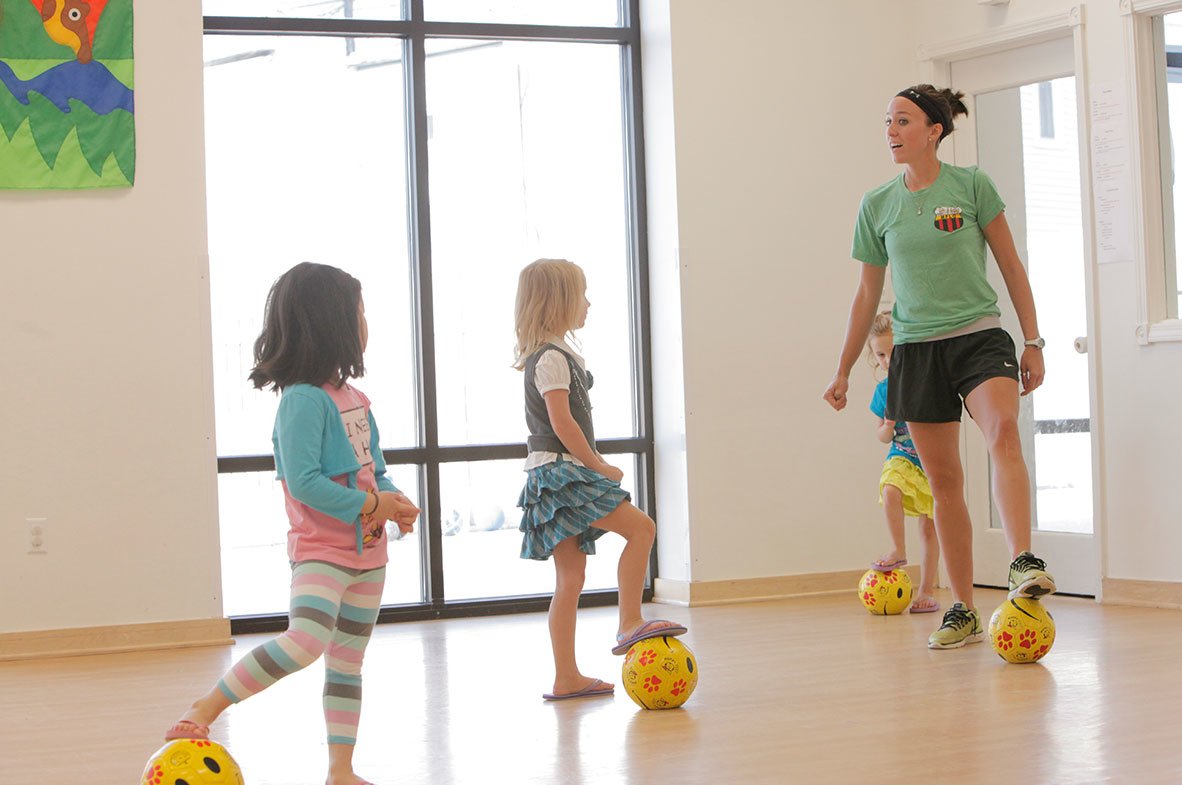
935 606
592 690
887 566
646 631
187 729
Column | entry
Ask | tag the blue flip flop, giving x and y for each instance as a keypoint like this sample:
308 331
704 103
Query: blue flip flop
646 631
593 690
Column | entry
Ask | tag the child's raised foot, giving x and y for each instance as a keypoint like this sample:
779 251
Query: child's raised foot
194 723
645 630
892 561
187 729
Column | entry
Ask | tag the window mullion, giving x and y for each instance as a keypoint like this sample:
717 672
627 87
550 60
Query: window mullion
423 305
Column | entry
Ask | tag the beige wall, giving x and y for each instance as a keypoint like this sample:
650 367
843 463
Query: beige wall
778 131
106 410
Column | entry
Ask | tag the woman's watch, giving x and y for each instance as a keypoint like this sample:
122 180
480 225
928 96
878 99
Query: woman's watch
1036 343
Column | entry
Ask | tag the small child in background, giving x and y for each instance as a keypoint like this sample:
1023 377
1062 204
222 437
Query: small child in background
903 488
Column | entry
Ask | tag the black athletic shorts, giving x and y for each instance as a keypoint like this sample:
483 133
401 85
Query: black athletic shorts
928 380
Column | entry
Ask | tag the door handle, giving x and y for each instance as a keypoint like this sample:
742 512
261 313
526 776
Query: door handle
1081 344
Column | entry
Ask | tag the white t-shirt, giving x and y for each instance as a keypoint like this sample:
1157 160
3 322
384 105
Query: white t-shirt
553 373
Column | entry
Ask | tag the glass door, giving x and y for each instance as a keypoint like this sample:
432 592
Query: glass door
1023 132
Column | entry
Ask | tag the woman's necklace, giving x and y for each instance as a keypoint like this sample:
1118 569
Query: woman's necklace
919 197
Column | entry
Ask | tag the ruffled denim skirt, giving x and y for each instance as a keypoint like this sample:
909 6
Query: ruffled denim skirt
561 500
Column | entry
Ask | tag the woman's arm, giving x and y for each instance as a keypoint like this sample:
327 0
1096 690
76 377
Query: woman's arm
862 311
1001 242
571 435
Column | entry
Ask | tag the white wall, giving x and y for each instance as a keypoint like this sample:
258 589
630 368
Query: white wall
778 130
1138 407
106 412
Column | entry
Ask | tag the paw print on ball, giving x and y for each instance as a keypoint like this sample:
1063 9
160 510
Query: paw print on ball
647 656
1027 639
1005 641
155 776
652 683
677 688
891 577
869 598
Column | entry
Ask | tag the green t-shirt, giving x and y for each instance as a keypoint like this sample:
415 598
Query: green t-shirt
936 249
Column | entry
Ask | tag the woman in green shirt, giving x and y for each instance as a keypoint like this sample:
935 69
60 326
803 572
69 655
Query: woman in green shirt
931 224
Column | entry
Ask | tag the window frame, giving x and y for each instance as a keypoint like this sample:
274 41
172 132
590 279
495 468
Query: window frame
1154 247
414 31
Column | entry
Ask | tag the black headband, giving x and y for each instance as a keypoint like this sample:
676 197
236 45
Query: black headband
930 107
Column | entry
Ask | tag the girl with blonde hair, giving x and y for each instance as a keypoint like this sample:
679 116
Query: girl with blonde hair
572 496
903 488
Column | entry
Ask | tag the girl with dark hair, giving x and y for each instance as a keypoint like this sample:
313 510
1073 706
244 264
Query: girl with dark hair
338 500
931 224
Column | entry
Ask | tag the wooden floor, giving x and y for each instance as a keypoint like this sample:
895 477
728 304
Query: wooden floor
802 691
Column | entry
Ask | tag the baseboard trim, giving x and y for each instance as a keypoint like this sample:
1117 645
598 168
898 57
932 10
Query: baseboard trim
698 593
1144 594
79 641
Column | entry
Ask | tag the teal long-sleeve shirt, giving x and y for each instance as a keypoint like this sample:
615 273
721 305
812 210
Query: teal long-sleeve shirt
311 448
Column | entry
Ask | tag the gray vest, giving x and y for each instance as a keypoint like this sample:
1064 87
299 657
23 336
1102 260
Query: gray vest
542 437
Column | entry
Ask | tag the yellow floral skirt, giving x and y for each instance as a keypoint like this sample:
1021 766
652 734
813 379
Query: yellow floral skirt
911 482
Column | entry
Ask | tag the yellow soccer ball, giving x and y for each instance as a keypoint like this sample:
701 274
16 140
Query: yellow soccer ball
1022 630
194 762
659 673
885 593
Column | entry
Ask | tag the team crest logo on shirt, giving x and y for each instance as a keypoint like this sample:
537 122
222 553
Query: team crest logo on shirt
949 219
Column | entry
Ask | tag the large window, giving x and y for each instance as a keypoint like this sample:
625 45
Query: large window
431 149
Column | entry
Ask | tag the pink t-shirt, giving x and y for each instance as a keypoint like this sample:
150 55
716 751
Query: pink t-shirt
314 536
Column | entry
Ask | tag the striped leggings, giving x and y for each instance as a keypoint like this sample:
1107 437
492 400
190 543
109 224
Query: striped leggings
333 610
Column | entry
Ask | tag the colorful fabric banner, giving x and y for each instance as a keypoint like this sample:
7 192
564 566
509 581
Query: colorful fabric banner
67 94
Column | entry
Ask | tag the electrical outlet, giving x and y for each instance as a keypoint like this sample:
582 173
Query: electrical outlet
38 535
